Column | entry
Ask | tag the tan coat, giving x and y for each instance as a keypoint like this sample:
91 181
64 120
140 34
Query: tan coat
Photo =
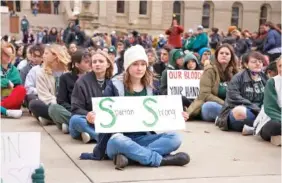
209 84
45 86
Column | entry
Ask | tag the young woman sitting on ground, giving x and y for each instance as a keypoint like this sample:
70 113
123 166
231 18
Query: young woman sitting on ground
146 148
90 85
60 113
213 85
268 122
244 96
55 62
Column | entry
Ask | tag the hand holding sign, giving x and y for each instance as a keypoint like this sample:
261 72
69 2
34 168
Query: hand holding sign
90 117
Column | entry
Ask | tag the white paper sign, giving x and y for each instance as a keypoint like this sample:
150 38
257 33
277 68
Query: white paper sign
138 114
20 156
184 82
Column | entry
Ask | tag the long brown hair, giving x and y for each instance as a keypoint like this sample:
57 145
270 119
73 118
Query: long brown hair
231 69
146 80
110 69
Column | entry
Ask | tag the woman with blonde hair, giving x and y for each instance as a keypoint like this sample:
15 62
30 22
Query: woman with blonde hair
146 148
90 85
56 61
12 91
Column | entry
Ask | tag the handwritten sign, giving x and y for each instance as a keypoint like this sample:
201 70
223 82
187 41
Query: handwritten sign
20 156
184 82
137 114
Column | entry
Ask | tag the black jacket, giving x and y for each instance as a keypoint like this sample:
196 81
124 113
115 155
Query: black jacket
237 94
84 89
67 82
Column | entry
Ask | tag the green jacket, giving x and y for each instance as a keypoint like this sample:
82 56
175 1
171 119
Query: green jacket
201 41
209 84
171 66
270 101
24 25
188 43
12 74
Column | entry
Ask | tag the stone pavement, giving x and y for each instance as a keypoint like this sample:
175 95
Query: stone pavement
216 157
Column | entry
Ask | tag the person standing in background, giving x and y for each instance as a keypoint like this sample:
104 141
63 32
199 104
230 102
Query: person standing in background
24 26
56 7
174 34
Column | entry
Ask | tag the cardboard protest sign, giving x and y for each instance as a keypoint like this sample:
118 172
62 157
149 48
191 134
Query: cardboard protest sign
184 82
137 114
20 156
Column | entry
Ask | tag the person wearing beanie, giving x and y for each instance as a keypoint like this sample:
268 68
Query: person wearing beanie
126 148
244 97
176 61
268 122
174 33
92 84
112 53
12 90
191 62
205 56
201 40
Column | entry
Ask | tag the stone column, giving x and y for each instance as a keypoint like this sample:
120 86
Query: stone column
133 12
87 18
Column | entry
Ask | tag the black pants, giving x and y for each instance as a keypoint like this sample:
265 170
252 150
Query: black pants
273 57
272 128
186 102
39 109
29 98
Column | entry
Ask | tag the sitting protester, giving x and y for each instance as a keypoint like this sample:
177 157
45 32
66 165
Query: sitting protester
205 57
268 122
12 91
90 85
175 63
60 113
191 62
56 60
271 70
152 56
27 59
36 52
160 66
213 83
146 148
244 96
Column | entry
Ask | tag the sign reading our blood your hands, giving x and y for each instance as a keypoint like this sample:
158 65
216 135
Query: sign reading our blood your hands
184 82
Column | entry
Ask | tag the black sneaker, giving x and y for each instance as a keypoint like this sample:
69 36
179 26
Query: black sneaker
178 159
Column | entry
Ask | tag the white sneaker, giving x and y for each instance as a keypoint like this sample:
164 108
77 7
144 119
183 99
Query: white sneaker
65 128
44 121
85 137
14 113
276 140
247 130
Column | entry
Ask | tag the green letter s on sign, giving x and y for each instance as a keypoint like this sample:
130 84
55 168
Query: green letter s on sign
156 118
108 111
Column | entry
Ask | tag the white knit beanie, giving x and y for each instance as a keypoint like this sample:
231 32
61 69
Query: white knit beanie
133 54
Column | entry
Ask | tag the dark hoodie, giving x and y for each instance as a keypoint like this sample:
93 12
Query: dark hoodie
173 56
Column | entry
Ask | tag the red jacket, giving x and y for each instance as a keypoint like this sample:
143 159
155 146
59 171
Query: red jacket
174 37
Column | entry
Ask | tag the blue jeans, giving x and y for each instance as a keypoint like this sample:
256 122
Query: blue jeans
78 124
210 110
145 149
237 125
